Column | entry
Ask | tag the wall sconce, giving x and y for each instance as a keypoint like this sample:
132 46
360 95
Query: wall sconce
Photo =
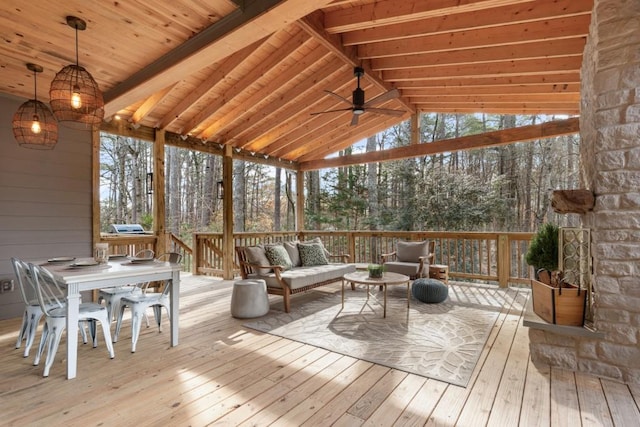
34 125
149 182
76 99
220 189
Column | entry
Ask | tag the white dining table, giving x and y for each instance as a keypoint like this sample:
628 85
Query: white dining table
117 272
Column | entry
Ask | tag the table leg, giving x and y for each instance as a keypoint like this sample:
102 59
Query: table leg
73 307
408 295
342 293
384 309
175 307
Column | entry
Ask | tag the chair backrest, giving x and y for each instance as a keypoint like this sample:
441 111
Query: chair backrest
172 257
145 253
27 289
48 291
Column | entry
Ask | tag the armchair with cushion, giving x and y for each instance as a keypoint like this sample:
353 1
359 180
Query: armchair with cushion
410 258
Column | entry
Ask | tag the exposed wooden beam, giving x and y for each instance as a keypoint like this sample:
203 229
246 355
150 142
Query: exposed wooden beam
502 109
247 80
491 17
493 69
573 88
570 27
150 103
283 108
312 24
342 138
250 105
547 98
227 36
489 139
222 69
387 12
532 50
468 82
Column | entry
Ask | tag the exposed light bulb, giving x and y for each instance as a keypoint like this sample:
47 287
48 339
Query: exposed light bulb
35 125
76 101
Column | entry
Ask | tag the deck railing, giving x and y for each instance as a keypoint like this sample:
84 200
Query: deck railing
488 257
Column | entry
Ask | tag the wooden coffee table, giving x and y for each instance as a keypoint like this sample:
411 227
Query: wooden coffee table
362 278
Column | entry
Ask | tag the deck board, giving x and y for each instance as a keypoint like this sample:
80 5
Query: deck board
225 374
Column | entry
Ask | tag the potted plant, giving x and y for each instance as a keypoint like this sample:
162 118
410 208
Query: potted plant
375 271
543 249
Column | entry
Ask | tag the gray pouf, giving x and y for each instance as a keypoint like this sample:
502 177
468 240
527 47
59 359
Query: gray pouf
249 299
429 290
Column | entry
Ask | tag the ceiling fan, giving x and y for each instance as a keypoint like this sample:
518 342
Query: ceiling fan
358 104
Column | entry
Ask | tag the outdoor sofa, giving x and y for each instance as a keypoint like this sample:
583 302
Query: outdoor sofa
289 268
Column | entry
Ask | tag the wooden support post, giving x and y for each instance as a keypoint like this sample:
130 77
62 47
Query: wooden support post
227 226
504 260
95 186
415 128
158 196
299 200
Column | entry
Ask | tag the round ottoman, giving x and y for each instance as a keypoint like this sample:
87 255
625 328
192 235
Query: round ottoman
249 299
429 290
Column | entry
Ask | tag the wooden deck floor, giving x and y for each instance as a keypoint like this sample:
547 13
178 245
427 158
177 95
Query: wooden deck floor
224 374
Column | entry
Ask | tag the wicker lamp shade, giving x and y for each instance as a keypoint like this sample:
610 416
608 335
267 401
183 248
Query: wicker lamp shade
74 95
76 100
40 136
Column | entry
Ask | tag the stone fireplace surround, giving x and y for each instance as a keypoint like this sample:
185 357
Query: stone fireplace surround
610 167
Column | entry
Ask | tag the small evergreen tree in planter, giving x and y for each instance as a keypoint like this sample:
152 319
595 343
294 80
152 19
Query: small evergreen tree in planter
543 249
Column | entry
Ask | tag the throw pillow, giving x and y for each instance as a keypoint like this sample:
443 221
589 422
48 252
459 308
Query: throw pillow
278 255
412 251
317 240
256 255
292 250
312 254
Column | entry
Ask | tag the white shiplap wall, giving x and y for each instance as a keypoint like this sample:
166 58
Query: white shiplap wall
45 200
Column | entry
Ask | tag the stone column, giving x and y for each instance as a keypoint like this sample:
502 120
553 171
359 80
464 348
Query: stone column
610 161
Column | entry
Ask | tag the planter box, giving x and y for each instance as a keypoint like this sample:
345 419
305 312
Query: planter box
561 306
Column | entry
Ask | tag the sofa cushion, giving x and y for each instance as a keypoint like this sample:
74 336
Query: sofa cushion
319 241
305 276
278 255
292 250
412 251
312 254
256 255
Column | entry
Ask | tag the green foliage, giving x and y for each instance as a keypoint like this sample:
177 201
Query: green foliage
543 249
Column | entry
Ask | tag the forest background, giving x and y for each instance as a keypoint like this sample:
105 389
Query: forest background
504 188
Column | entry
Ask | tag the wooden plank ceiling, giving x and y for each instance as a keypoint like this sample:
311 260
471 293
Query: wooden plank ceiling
251 75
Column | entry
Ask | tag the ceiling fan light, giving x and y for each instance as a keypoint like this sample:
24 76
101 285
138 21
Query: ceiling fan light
358 110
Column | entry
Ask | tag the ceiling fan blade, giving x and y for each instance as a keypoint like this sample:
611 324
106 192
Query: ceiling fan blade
386 111
392 94
335 95
331 111
354 119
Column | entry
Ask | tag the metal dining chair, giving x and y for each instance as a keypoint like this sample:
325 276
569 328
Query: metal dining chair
32 311
112 296
140 302
55 311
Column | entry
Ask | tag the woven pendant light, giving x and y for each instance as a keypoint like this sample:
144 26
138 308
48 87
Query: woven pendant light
34 126
76 99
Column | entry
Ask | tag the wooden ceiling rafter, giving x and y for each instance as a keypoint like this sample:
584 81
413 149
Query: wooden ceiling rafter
296 115
221 69
244 81
313 25
284 107
253 103
490 17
